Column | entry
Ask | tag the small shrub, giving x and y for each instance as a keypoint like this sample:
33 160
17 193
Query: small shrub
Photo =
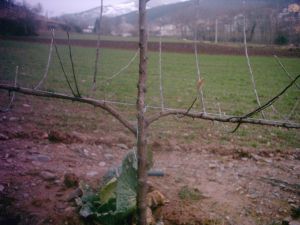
281 40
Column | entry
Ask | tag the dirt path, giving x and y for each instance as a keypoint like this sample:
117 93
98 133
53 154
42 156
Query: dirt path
172 47
237 185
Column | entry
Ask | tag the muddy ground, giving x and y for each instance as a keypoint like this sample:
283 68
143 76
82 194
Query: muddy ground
41 140
204 48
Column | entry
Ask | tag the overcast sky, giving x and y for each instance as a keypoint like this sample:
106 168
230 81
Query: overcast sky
58 7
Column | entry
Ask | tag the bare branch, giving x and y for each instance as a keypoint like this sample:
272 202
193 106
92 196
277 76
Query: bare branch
48 63
291 78
189 109
268 104
62 66
285 70
224 119
72 64
13 95
97 103
98 47
234 119
250 68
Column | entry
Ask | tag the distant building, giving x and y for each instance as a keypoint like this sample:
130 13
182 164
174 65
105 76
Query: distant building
88 29
124 29
294 8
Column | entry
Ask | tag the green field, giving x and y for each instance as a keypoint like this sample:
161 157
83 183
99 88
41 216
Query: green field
227 80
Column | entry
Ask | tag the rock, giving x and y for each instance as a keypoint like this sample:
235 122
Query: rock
256 157
1 188
3 137
86 152
41 158
122 146
108 156
36 163
13 119
160 223
70 209
71 180
212 165
252 196
26 106
92 173
74 194
294 222
290 200
102 164
267 160
44 135
286 221
25 195
48 176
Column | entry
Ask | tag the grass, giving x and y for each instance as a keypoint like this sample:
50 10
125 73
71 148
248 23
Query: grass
227 81
189 194
85 36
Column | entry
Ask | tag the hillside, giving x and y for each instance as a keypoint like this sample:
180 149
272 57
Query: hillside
207 9
267 20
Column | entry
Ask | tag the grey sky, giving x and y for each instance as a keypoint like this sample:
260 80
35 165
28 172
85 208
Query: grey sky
58 7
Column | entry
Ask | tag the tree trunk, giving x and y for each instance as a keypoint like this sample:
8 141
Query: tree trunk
142 127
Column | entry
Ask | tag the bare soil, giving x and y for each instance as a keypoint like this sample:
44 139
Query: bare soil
173 47
41 140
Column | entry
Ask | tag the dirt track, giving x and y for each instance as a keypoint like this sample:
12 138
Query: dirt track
173 47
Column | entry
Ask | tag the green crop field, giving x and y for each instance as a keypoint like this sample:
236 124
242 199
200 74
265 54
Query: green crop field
227 80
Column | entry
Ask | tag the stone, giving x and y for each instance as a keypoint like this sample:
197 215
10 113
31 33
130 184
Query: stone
41 158
48 176
86 152
13 119
102 164
286 221
108 156
294 222
71 180
122 146
267 160
25 195
74 194
160 223
92 173
212 165
36 163
70 209
3 137
26 106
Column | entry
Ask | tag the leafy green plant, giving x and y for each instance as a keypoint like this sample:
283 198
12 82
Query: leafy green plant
115 203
